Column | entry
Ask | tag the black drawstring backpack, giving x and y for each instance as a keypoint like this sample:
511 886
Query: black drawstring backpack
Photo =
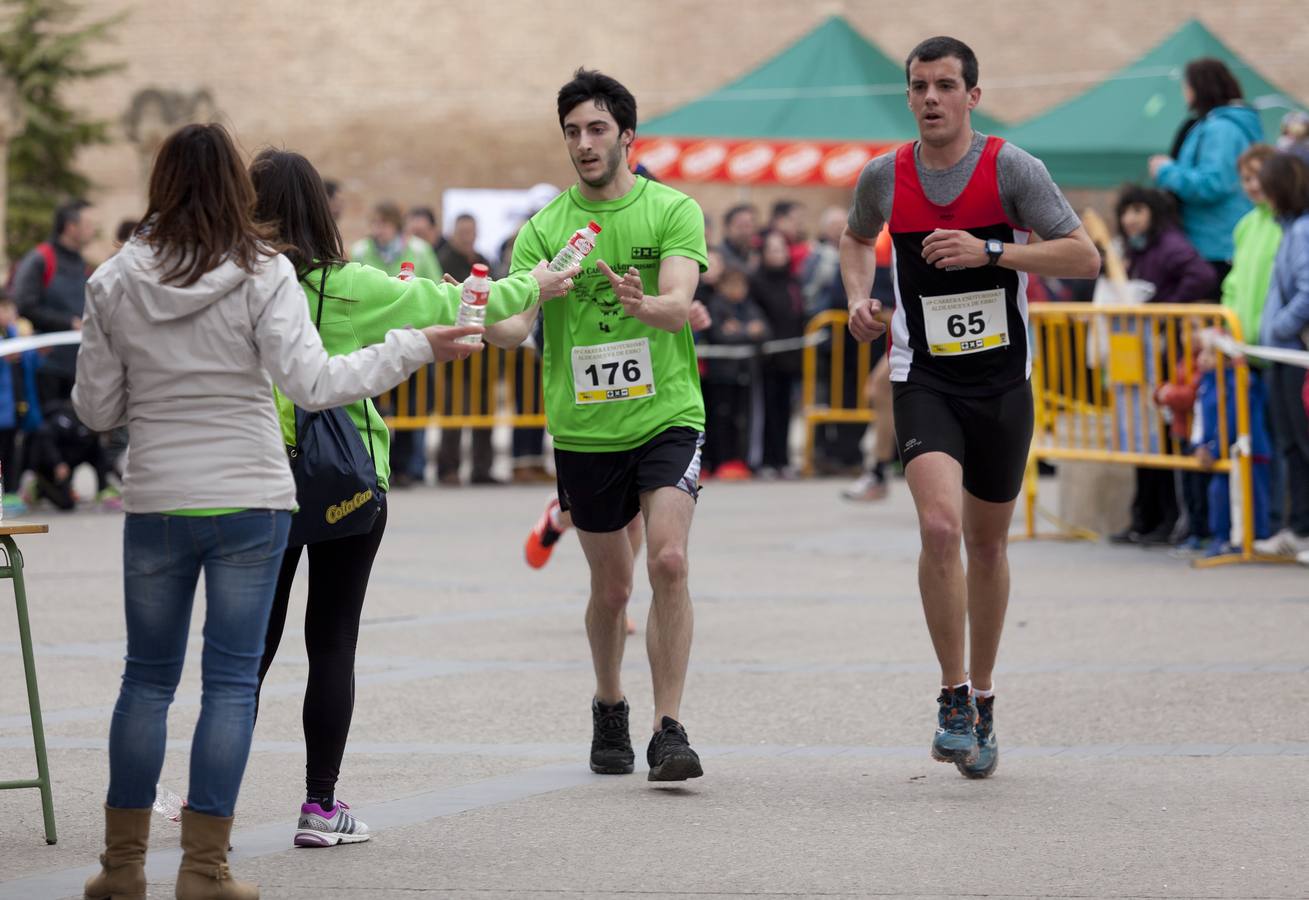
336 484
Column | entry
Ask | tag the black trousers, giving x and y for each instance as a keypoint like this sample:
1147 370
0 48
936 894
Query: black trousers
727 423
338 579
1291 435
779 404
1154 505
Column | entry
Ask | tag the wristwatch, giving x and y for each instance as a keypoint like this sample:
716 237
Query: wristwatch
993 250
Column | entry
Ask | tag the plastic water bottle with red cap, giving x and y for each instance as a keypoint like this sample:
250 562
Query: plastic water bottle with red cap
473 295
579 245
406 271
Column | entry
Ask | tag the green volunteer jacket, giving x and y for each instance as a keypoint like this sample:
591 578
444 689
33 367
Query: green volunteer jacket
1256 236
364 303
416 251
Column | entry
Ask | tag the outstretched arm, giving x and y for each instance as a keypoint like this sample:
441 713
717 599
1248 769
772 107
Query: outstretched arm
669 309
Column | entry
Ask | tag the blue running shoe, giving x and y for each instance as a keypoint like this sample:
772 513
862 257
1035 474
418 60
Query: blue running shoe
955 741
988 751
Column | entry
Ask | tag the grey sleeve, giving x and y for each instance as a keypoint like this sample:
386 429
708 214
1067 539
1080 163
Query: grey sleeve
871 206
1031 198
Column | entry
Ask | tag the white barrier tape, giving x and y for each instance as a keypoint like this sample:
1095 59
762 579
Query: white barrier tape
1228 345
11 346
767 348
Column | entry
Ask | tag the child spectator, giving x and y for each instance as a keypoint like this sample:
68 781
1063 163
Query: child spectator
1157 252
1255 243
57 448
729 385
1207 449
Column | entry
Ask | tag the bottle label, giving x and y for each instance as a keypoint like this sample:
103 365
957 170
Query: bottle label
582 244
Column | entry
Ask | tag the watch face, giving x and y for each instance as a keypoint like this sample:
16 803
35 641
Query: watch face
994 247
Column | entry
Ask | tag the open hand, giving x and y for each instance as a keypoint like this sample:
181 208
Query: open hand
554 284
865 326
628 288
445 341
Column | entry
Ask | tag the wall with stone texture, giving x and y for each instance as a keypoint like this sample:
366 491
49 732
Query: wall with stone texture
401 99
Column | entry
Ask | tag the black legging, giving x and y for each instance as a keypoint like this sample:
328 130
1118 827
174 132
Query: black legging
338 580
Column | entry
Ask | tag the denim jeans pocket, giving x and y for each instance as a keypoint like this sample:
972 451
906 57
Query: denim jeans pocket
147 543
252 536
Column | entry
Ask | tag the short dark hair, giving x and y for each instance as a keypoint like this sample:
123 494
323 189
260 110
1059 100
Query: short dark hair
1285 182
608 94
942 47
783 208
465 217
291 197
1212 84
1162 206
736 211
423 212
68 213
389 211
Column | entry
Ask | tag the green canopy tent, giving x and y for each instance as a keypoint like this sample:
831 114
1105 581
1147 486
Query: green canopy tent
813 114
1105 136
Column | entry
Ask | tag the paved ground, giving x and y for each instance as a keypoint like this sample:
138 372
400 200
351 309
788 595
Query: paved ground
1152 720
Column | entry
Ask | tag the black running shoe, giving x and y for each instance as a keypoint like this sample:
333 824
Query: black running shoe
670 755
611 741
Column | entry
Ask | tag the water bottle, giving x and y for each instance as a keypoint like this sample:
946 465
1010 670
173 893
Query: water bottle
473 295
579 245
168 804
406 271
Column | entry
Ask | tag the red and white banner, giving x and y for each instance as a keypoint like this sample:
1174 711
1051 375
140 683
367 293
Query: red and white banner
830 163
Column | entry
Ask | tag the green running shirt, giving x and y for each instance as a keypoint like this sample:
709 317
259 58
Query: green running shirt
612 382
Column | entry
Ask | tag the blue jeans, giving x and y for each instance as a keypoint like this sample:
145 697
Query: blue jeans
163 556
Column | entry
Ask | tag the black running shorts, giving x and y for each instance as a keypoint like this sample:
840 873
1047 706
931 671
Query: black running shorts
989 436
603 490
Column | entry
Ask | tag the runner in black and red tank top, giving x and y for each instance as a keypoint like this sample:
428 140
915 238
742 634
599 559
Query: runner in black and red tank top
960 206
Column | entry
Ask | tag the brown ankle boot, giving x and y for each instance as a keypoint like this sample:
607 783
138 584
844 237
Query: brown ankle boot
203 874
122 865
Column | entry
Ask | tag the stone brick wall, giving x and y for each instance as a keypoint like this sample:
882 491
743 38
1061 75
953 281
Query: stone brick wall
402 98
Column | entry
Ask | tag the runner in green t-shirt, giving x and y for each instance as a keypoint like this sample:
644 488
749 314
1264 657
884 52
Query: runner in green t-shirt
622 395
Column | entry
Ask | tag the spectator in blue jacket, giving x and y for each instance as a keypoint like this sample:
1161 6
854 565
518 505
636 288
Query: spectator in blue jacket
1204 175
1208 439
1285 324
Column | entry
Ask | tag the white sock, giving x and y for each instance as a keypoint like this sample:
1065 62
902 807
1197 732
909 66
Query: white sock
555 515
984 695
954 687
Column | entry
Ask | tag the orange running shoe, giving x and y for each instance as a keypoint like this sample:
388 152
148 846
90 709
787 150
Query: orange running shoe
541 542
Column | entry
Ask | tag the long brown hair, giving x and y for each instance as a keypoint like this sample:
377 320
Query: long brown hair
292 197
201 211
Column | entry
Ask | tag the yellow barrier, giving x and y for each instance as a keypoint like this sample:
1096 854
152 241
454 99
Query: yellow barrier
838 408
1094 373
494 387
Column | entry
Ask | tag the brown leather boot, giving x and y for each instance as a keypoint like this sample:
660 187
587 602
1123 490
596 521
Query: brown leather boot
203 874
122 865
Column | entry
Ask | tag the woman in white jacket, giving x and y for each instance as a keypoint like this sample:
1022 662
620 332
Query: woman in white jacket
183 329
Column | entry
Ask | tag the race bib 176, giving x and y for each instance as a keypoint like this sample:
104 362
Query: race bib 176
603 373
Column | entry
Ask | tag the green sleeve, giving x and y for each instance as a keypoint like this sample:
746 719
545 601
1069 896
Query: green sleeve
529 250
382 303
684 233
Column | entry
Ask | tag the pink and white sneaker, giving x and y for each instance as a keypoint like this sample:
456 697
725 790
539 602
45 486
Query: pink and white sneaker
320 827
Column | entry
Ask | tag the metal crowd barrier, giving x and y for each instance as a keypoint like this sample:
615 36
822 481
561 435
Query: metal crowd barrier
1094 374
825 398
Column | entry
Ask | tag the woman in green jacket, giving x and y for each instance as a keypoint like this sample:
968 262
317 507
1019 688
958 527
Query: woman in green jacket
359 304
